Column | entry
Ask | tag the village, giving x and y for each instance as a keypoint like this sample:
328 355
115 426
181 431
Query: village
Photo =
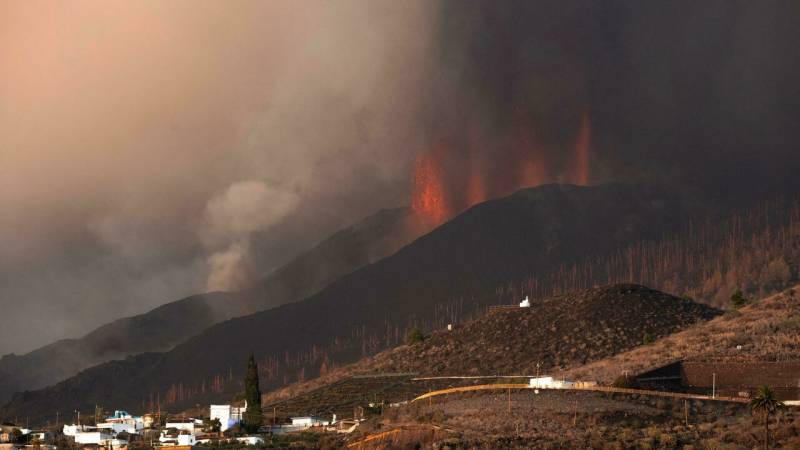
123 430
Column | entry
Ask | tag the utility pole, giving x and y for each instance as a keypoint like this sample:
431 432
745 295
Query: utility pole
575 419
686 412
57 419
713 385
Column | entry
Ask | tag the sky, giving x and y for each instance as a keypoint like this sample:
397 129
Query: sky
151 150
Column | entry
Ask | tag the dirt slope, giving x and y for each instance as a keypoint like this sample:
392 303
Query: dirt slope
766 330
560 332
556 333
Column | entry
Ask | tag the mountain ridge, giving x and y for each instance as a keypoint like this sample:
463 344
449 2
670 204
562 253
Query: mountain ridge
372 307
165 326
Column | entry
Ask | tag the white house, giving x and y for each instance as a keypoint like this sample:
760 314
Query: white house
72 430
250 440
122 421
550 383
190 425
309 421
177 438
96 437
227 415
525 303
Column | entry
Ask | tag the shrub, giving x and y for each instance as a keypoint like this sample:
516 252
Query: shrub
647 339
738 299
415 336
668 441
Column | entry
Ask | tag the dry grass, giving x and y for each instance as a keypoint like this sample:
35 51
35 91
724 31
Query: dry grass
767 330
588 421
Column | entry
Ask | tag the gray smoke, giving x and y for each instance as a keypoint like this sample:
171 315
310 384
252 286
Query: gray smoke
152 150
155 150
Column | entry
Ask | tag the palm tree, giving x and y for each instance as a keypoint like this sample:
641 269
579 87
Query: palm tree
766 403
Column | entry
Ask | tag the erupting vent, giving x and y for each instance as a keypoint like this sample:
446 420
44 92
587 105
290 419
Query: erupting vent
450 179
428 193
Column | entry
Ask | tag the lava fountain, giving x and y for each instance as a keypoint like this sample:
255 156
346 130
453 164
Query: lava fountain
579 172
454 177
428 196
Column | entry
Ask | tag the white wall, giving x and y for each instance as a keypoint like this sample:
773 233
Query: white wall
92 437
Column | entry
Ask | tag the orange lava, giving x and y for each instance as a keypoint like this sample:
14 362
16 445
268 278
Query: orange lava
428 196
578 173
481 170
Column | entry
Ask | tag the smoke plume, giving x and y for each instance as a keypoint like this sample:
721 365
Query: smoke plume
155 149
231 219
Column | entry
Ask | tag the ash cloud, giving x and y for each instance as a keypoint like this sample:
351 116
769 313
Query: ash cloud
153 150
231 219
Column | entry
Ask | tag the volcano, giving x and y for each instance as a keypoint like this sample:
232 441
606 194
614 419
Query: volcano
458 173
456 267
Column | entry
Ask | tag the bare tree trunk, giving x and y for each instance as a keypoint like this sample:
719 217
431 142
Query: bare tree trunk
766 430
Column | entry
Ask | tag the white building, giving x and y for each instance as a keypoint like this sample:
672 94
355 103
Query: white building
550 383
309 421
190 425
122 421
525 303
72 430
177 438
227 415
250 440
99 438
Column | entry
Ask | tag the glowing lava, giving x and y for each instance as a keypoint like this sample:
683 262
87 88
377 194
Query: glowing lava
428 197
482 168
579 171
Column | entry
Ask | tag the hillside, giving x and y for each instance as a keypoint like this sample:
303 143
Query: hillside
168 325
156 330
559 332
562 331
450 272
768 330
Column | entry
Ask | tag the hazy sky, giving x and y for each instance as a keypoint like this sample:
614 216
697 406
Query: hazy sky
154 149
142 144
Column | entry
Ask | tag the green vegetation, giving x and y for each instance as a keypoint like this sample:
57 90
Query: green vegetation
738 299
212 426
415 336
253 417
648 339
765 402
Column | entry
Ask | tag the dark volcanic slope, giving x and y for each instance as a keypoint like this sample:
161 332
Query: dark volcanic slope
557 333
467 258
156 330
166 326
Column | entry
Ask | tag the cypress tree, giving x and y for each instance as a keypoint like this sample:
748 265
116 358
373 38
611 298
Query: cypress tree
253 417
